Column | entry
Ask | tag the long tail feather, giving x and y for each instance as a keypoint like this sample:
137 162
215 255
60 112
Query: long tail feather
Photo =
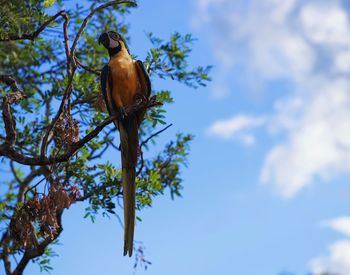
128 130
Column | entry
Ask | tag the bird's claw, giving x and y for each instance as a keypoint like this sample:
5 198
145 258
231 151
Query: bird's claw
140 98
122 112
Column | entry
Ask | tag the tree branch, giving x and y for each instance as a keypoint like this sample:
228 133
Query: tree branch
13 170
10 81
15 96
7 264
10 152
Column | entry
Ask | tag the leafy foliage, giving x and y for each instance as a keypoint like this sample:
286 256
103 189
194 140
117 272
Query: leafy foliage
169 59
33 197
23 20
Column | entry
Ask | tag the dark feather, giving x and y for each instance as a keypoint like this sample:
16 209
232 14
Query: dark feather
145 76
112 109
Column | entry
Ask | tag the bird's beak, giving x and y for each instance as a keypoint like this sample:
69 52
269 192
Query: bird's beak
104 39
100 38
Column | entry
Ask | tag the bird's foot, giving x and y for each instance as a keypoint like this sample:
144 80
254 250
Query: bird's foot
140 98
122 112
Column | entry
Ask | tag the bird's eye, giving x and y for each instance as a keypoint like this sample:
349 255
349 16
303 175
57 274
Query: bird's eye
114 36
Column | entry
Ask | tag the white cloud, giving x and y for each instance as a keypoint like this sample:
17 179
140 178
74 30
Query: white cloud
340 224
342 61
280 9
337 262
308 44
235 127
325 24
318 141
338 259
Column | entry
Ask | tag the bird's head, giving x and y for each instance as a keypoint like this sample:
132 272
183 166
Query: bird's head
112 41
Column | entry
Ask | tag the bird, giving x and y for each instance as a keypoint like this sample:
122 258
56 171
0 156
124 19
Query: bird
123 79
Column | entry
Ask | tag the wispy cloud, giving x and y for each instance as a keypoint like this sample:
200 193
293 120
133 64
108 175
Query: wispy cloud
236 127
338 259
306 43
340 224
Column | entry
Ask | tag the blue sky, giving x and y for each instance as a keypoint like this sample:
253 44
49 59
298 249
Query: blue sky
266 189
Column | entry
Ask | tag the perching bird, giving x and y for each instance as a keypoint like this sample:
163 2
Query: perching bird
121 81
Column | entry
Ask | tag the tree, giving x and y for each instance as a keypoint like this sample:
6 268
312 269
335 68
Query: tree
54 128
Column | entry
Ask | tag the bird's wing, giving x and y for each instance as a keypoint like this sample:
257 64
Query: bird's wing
144 78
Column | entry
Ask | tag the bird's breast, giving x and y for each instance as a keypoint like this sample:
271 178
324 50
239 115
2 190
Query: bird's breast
125 80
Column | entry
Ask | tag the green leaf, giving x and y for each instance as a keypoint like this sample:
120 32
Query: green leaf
49 3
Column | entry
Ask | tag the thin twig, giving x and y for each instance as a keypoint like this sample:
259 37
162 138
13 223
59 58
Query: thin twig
13 170
98 189
69 87
87 18
144 143
66 39
23 189
155 134
58 115
35 34
86 68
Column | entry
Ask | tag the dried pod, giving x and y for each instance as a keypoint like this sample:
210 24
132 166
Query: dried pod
62 199
39 215
59 131
74 193
21 229
66 130
75 131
